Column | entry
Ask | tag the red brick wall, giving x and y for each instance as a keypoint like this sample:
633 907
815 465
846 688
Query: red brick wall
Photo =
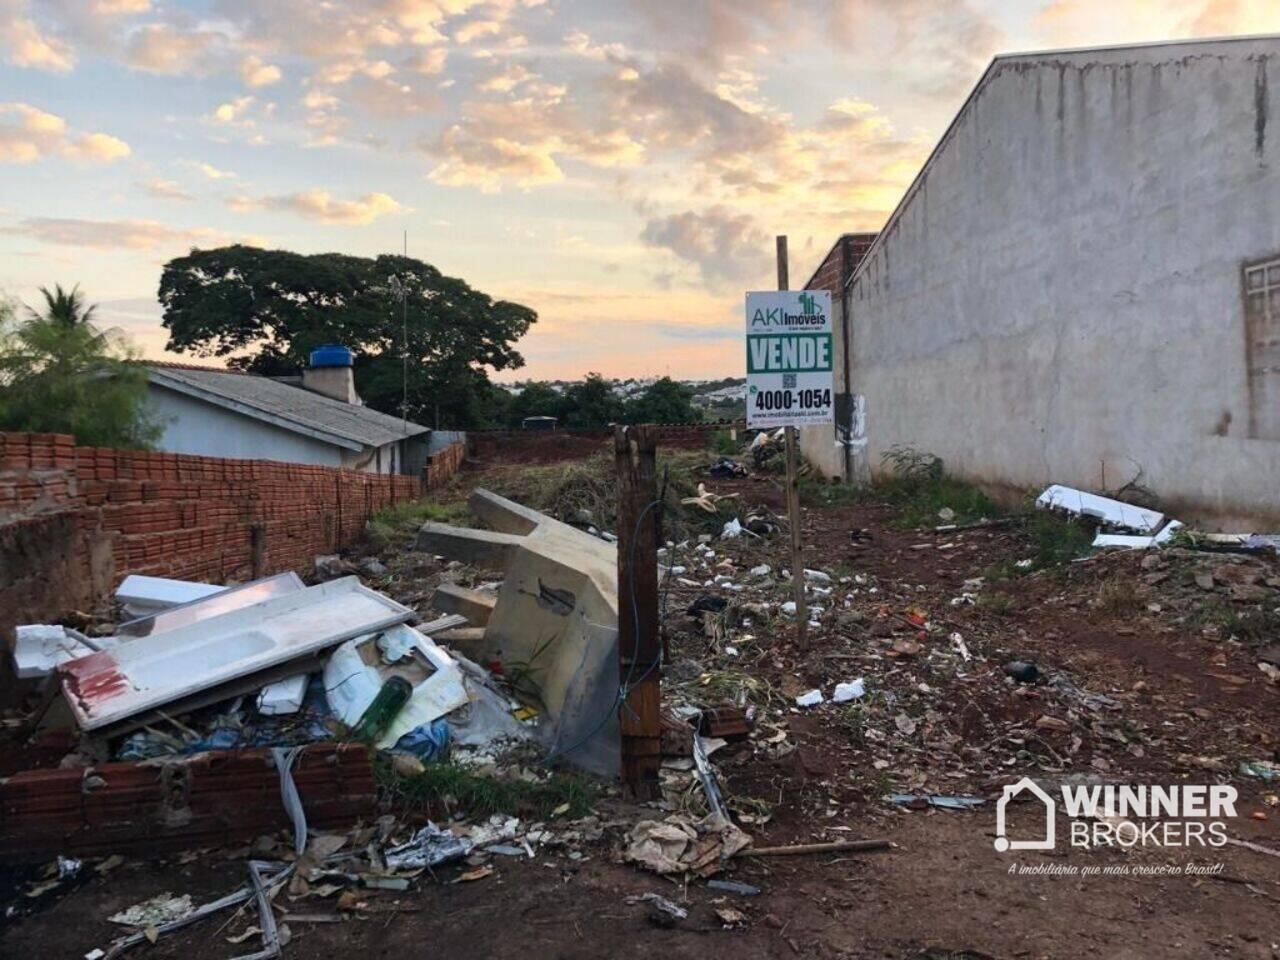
829 275
75 520
443 465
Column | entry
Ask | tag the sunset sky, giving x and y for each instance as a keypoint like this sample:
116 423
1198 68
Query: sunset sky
619 165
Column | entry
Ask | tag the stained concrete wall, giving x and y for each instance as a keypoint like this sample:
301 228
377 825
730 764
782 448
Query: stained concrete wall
1059 296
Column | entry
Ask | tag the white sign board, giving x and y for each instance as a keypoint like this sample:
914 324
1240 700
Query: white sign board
789 359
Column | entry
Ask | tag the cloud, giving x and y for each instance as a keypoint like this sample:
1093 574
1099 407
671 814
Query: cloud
167 190
28 45
115 8
506 80
724 246
523 141
167 49
28 134
1090 22
232 110
255 73
320 205
98 147
213 173
110 234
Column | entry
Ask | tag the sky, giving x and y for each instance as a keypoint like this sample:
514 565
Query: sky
620 166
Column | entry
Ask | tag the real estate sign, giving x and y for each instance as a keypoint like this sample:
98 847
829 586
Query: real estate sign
789 358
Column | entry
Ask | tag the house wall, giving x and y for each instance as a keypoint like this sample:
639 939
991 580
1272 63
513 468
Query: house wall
195 427
1059 297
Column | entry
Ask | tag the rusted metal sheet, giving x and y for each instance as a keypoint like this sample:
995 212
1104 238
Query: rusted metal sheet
153 808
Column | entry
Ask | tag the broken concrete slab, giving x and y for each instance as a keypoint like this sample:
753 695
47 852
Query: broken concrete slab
477 606
554 627
148 672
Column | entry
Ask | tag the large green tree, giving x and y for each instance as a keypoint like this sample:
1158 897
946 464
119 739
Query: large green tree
60 374
592 403
265 310
663 401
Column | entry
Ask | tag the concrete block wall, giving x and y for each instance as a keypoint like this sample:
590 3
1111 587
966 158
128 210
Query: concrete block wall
74 521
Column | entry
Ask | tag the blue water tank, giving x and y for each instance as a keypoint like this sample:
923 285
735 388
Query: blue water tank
332 355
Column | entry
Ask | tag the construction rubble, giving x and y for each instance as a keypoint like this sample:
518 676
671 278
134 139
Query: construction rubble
286 724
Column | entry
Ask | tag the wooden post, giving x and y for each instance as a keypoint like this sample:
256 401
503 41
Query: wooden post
793 496
639 649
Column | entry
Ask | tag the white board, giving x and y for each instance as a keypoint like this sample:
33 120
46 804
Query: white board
790 359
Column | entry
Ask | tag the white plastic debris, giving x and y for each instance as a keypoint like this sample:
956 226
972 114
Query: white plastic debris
818 576
761 571
143 596
38 648
810 698
153 912
283 696
732 530
961 648
853 690
1135 542
356 671
1112 512
789 608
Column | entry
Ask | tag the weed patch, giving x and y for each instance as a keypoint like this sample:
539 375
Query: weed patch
920 487
456 788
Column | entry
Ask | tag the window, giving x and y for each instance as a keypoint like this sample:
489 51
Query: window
1262 332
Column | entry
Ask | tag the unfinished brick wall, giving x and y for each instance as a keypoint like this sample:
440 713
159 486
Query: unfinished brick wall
75 520
831 273
443 465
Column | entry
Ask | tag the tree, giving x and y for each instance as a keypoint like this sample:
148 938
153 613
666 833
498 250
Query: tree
59 374
536 400
65 308
592 403
279 305
663 401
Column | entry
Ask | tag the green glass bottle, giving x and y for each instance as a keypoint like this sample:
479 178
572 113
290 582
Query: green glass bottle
395 693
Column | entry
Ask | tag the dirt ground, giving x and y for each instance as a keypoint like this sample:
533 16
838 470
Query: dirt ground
1148 674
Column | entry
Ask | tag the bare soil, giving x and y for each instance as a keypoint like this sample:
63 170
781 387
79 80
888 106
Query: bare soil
1143 684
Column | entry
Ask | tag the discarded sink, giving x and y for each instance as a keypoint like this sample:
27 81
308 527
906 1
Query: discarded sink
553 629
152 671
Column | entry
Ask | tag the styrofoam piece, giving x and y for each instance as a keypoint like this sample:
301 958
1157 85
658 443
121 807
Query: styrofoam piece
357 670
810 698
142 595
1113 512
853 690
1130 542
112 685
283 696
1124 540
224 600
38 648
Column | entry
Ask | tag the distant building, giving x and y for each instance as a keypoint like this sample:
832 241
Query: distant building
539 423
1082 285
316 419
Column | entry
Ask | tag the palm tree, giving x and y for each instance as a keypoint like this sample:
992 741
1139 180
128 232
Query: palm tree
65 308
